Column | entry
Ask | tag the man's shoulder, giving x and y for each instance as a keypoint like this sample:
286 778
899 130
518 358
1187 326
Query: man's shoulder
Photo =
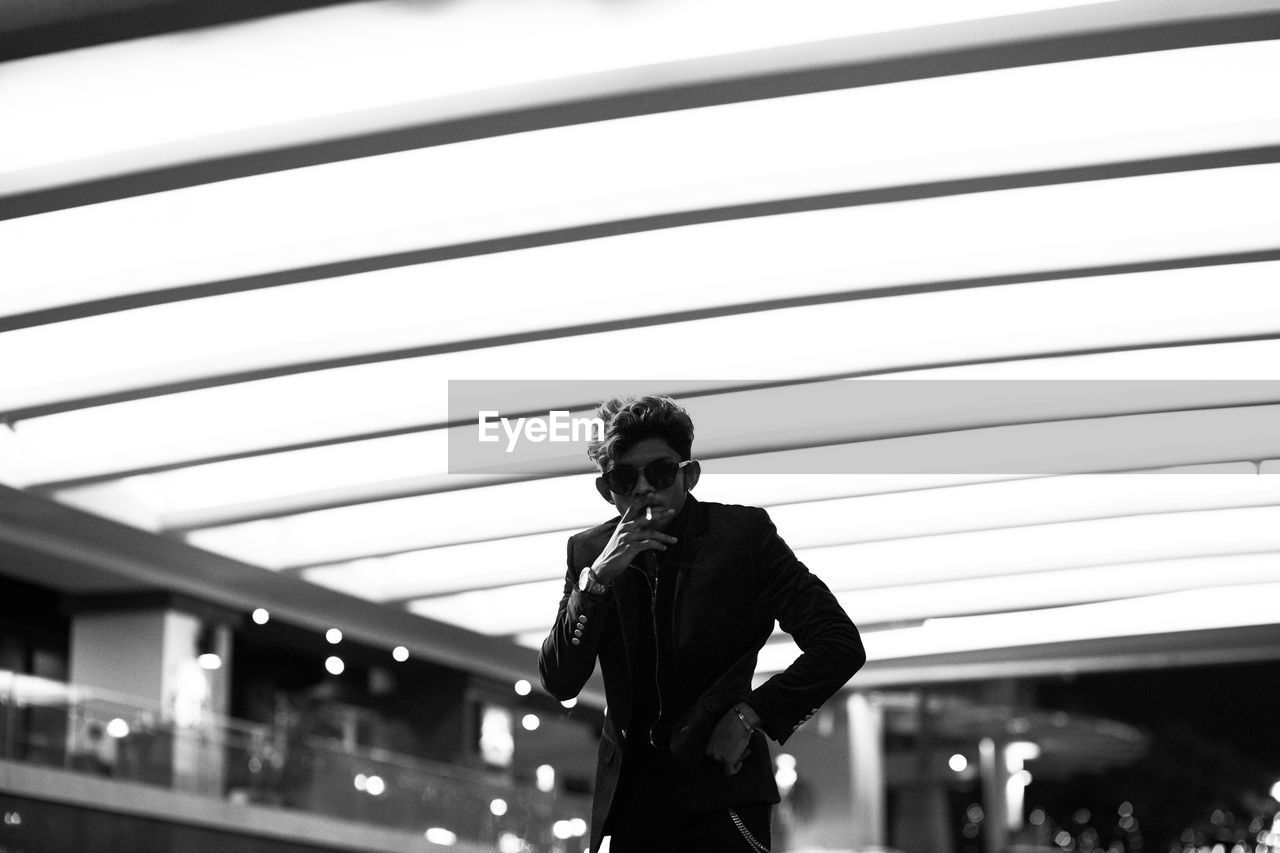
720 515
730 510
602 530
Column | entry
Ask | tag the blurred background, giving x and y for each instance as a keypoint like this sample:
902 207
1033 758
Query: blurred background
248 604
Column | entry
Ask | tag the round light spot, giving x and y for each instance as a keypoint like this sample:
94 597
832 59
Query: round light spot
958 763
530 722
335 665
333 635
261 616
400 653
523 687
442 836
498 807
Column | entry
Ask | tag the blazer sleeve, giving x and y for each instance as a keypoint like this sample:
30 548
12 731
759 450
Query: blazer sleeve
831 648
568 655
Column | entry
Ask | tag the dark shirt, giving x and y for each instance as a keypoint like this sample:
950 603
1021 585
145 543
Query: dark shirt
658 691
647 782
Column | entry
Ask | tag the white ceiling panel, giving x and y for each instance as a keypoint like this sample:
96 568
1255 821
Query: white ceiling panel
1012 231
886 334
505 610
1017 503
251 75
358 530
233 295
893 516
883 610
1139 538
451 568
520 610
918 602
397 310
1137 548
1027 119
1188 610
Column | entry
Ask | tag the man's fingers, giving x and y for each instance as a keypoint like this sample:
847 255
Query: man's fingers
638 536
728 765
648 539
634 511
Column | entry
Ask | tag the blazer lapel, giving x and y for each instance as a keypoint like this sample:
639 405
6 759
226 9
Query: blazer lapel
684 555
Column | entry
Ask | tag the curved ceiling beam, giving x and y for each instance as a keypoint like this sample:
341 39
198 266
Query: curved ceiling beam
1106 443
1059 35
109 469
1256 155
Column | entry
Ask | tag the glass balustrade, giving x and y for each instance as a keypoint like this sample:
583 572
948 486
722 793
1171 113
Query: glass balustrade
57 725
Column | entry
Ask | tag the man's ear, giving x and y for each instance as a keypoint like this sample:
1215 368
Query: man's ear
602 486
692 472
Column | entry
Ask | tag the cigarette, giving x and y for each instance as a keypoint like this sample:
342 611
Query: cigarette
648 513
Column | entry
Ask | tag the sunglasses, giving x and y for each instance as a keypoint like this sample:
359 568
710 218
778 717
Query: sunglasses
660 474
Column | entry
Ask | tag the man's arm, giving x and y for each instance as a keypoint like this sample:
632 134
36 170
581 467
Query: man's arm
831 649
568 654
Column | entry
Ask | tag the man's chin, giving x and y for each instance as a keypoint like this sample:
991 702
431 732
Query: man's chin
663 523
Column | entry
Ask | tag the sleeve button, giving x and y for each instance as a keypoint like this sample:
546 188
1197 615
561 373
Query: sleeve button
576 641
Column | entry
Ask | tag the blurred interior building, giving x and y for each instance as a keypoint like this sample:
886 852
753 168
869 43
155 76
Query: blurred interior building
253 253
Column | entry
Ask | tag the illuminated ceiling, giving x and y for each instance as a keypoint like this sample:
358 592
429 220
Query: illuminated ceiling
239 265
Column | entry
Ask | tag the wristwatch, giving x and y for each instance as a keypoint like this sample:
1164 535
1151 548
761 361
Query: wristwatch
590 584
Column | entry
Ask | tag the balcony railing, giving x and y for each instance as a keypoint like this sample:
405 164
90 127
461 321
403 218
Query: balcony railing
54 724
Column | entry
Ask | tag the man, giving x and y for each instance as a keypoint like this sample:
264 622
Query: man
675 597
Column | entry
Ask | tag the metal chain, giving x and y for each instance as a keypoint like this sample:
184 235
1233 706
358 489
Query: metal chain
746 833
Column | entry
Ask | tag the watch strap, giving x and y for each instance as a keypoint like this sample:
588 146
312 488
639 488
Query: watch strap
589 583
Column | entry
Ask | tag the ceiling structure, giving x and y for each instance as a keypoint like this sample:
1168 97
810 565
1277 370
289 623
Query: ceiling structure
242 261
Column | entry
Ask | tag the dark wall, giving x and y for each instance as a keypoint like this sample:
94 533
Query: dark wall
55 828
34 632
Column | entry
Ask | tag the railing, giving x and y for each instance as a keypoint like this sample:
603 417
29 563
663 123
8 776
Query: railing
94 732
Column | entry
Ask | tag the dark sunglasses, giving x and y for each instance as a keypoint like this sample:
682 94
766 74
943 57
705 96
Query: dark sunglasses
660 474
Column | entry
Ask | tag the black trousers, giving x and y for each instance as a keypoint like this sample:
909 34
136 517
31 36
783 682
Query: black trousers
645 816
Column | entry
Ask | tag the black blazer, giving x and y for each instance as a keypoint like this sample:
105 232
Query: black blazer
734 576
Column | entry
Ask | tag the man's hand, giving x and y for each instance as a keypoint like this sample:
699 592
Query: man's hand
634 534
730 738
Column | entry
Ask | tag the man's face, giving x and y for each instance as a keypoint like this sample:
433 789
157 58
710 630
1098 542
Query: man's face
644 494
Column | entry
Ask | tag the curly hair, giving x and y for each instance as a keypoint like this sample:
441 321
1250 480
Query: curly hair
629 420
